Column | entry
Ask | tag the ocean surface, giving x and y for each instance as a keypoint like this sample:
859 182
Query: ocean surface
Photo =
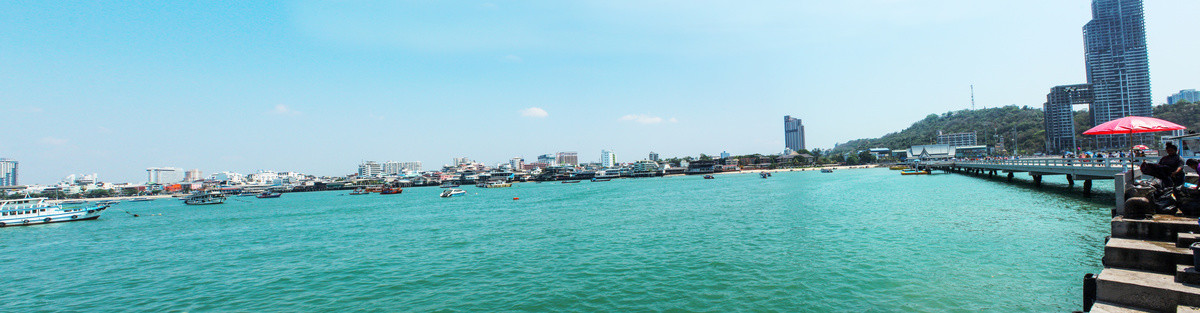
851 241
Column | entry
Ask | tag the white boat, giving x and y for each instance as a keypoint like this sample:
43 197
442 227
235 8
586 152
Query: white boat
142 199
202 198
452 193
39 211
827 170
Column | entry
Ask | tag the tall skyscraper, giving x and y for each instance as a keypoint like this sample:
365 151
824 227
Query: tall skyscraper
793 133
1118 67
1060 118
1189 95
8 172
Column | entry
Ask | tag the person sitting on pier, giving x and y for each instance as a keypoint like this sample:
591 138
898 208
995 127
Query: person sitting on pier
1168 169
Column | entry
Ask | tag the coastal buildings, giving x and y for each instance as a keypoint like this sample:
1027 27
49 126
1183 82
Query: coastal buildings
462 161
1189 95
568 158
1118 67
957 139
547 159
724 154
1060 117
654 156
193 175
369 169
228 178
517 163
793 133
8 172
399 168
607 158
164 175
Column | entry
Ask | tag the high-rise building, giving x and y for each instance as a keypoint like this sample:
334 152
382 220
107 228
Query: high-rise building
164 175
654 156
957 139
517 163
793 133
1118 67
724 154
193 175
608 158
8 172
462 161
1059 116
368 169
568 158
1189 95
547 159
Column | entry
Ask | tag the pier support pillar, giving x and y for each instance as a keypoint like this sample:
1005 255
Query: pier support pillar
1010 176
1087 186
1037 180
1070 180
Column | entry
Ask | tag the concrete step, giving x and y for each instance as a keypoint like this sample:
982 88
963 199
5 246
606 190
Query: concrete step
1101 307
1159 227
1155 256
1187 274
1145 290
1185 240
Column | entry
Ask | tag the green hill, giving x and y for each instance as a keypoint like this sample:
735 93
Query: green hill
1004 123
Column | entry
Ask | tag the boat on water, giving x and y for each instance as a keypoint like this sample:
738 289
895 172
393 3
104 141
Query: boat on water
708 177
359 191
391 191
898 167
72 202
498 184
597 180
571 181
374 189
914 172
827 170
269 194
31 211
764 174
452 193
141 199
203 198
108 202
449 185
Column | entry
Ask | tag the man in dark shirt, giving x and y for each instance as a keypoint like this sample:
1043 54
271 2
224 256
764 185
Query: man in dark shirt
1168 169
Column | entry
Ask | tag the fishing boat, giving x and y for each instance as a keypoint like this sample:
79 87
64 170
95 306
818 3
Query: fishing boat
391 191
269 194
827 170
141 199
359 191
599 180
571 181
31 211
203 198
708 177
453 192
914 172
764 174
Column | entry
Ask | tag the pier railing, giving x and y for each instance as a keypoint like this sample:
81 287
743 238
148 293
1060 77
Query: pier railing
1116 164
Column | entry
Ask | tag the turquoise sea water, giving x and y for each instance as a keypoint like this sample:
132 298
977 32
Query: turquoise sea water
851 241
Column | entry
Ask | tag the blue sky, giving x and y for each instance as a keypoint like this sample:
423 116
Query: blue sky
317 86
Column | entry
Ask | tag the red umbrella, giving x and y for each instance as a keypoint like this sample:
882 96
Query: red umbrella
1141 147
1132 124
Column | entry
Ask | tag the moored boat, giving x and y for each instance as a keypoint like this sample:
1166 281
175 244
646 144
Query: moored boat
141 199
571 181
390 191
359 191
598 180
109 202
269 194
827 170
31 211
498 184
914 172
708 177
452 193
203 198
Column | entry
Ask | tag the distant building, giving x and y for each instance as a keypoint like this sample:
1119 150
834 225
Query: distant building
547 159
462 161
608 158
645 166
1059 117
517 163
193 175
1189 95
228 177
367 169
654 156
8 172
164 175
793 133
568 158
1118 67
399 168
931 152
957 139
724 155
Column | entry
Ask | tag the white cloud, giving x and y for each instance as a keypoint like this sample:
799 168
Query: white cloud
51 141
284 110
645 119
534 112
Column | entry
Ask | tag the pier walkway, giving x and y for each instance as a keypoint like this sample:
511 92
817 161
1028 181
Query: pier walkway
1086 169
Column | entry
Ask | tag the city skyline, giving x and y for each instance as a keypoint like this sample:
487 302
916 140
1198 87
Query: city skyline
317 87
